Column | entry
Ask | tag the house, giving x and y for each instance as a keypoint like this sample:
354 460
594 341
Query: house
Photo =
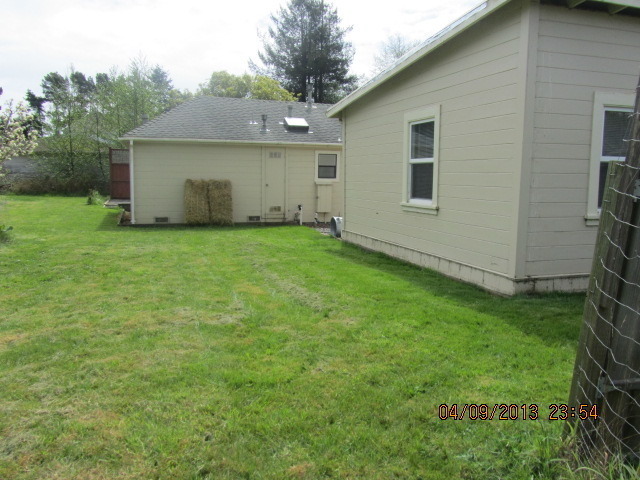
277 155
482 153
20 166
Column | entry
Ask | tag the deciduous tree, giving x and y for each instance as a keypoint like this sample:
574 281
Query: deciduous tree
390 51
84 117
17 137
225 84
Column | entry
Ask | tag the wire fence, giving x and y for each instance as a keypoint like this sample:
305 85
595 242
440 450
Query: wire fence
605 392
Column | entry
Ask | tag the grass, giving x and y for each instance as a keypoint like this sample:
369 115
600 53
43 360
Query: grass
259 353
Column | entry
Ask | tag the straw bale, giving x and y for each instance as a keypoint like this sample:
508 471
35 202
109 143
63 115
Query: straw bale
196 202
220 202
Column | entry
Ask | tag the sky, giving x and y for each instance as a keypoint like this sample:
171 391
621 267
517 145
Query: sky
190 39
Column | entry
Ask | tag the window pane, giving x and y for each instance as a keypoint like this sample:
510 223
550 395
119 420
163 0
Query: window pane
327 159
615 128
422 180
422 140
326 172
604 166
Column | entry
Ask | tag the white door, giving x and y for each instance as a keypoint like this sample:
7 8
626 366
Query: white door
274 192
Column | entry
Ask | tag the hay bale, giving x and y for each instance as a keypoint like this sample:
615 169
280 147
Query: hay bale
196 202
220 202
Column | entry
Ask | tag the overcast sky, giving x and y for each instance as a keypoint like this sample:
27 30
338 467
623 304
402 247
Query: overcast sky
188 38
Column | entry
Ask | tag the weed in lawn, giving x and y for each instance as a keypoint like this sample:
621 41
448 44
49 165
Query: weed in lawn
5 233
94 198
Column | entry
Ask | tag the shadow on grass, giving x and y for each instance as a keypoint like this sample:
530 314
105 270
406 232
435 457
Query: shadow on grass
110 223
555 318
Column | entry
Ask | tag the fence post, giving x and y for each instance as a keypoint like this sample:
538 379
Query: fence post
607 368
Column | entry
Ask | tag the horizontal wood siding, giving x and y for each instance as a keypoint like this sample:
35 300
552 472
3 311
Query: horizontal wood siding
474 80
579 53
301 174
162 168
160 171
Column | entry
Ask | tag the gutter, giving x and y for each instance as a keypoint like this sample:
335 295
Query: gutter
230 142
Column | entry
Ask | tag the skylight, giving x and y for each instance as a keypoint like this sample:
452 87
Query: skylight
294 122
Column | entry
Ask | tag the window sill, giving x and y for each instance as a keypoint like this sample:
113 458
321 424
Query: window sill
592 220
418 208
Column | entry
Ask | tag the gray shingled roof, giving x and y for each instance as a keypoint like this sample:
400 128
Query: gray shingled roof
239 119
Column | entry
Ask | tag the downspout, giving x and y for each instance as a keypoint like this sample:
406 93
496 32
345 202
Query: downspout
131 184
343 151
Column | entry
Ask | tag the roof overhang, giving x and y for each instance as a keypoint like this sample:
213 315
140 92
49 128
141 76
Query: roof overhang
613 6
229 142
453 30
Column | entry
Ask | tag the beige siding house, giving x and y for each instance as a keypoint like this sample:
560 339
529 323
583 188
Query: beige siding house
479 154
277 155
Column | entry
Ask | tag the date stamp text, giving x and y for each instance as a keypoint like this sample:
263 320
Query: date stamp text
505 411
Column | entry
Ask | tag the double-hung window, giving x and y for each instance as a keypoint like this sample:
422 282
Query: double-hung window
421 160
327 166
611 119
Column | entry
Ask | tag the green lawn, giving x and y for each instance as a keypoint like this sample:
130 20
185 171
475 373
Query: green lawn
258 353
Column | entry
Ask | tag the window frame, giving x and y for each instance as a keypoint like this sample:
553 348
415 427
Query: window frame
317 158
602 102
427 114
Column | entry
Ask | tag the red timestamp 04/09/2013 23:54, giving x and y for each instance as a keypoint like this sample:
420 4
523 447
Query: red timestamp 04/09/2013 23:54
514 411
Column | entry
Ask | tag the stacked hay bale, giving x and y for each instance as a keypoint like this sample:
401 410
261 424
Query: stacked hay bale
220 206
196 203
208 202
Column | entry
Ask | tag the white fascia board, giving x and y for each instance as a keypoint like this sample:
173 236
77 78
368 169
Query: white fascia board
231 142
621 3
453 30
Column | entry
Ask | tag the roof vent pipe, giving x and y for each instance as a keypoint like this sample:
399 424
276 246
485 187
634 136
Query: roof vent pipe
264 123
309 96
290 111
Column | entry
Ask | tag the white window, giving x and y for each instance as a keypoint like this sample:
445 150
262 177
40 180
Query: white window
421 159
610 124
327 166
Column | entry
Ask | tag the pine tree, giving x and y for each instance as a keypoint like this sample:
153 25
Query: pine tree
306 46
36 106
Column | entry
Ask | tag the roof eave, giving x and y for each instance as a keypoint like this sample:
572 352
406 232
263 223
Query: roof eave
229 142
481 11
620 3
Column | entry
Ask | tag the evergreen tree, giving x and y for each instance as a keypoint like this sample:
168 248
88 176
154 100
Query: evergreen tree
162 86
36 107
306 48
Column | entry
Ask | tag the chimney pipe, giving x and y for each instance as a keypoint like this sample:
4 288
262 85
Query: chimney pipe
264 123
290 111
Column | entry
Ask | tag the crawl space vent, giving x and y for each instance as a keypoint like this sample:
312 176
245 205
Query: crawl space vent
254 218
161 219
